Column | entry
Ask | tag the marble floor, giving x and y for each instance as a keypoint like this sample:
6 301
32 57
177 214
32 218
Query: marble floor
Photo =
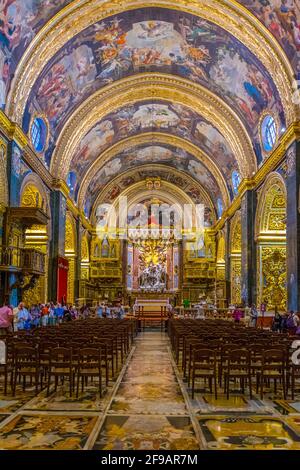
148 407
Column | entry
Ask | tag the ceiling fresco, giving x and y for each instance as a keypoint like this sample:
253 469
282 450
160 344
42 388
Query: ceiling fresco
155 117
282 18
112 191
20 20
155 154
125 181
154 40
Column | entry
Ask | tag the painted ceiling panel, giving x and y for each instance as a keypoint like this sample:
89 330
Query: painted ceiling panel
282 18
20 20
151 40
155 116
145 154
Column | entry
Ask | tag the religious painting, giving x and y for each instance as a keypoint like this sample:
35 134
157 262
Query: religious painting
20 21
149 40
282 18
159 154
155 117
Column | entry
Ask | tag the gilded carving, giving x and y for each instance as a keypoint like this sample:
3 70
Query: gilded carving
70 244
236 280
271 210
274 290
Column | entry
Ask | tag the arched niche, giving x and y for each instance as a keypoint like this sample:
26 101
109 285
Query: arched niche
270 230
34 194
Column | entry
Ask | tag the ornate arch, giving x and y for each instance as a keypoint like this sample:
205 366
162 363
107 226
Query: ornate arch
34 193
163 172
271 208
153 86
227 14
158 138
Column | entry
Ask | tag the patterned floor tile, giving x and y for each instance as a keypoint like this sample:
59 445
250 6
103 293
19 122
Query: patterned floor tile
46 432
248 433
146 433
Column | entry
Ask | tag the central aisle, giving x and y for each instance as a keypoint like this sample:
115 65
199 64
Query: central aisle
149 409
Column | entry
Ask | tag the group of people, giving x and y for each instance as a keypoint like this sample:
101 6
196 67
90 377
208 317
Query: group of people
106 310
248 315
286 322
22 318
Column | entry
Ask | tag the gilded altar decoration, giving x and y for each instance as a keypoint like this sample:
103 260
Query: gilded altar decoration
236 281
274 289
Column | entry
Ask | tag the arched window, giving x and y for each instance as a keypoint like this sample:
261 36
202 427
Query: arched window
236 181
39 132
269 133
220 207
71 182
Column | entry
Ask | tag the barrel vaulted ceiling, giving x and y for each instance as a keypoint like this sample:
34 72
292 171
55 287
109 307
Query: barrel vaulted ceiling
123 85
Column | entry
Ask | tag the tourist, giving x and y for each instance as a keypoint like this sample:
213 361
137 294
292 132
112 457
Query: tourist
292 323
237 314
45 315
23 317
6 319
35 315
99 310
247 315
253 316
277 321
59 313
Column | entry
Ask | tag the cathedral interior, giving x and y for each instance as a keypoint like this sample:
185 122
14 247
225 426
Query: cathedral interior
108 109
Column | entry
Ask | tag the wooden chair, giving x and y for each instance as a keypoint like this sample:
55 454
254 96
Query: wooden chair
89 365
292 375
61 365
238 367
273 368
26 364
204 366
6 367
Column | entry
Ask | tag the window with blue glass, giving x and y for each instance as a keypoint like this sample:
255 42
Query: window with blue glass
39 132
220 207
71 182
236 181
269 133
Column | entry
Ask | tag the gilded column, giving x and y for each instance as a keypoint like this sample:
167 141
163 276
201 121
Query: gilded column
293 226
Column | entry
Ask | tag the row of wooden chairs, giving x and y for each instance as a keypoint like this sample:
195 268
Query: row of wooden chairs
220 353
75 353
